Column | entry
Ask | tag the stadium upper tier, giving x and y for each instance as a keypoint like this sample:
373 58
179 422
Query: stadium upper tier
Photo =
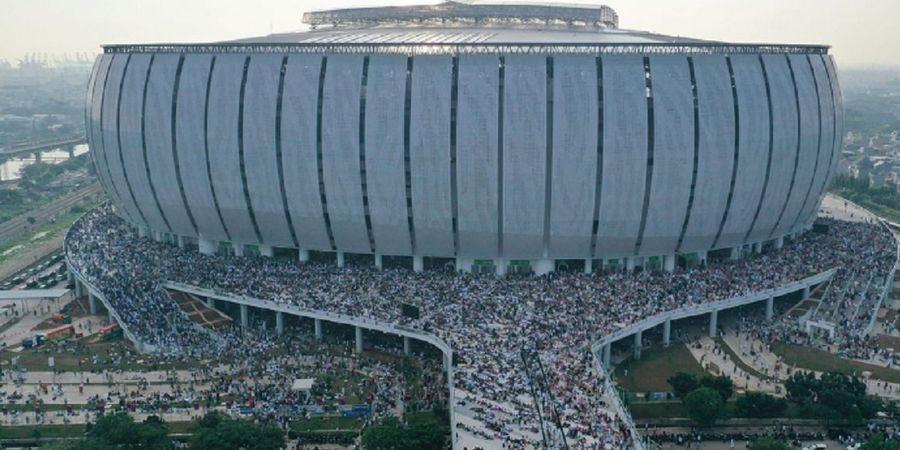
500 140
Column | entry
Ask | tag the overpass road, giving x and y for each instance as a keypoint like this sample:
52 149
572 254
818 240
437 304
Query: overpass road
42 146
18 226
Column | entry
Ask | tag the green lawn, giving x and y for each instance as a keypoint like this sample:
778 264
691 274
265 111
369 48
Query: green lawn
328 423
45 431
822 361
81 359
11 248
657 364
69 431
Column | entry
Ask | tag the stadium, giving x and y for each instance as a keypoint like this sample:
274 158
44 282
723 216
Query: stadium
364 180
485 136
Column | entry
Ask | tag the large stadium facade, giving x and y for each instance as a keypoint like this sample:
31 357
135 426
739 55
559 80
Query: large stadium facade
485 134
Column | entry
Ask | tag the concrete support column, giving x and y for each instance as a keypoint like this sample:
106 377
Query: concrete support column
142 232
702 258
669 263
464 265
757 248
92 303
266 250
206 246
318 329
238 249
340 259
279 323
542 266
735 253
180 241
607 355
713 323
667 332
770 307
303 255
245 318
79 288
70 277
418 264
638 338
779 243
805 293
359 339
500 267
211 302
629 264
110 317
157 236
588 266
407 346
379 262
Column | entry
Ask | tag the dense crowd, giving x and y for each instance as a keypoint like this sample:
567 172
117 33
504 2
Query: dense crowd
487 320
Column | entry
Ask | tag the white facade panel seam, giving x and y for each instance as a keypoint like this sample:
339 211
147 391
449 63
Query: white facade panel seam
117 168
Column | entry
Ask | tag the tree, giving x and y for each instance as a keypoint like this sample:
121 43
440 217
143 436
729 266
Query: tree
722 384
704 406
78 444
801 387
390 434
682 383
767 443
878 442
216 431
121 431
758 406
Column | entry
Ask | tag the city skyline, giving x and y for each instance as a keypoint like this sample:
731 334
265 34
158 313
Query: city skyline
860 36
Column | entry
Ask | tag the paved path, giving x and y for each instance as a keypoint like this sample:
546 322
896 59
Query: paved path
766 360
840 208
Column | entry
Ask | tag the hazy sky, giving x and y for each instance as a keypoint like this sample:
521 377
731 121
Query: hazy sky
862 32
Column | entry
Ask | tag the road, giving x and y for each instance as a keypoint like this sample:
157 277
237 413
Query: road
19 227
42 146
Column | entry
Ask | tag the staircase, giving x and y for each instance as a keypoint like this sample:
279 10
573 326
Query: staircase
198 312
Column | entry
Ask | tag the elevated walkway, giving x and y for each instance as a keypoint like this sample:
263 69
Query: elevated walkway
198 312
32 294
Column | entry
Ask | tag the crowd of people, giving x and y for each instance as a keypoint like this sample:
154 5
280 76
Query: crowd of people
488 321
253 376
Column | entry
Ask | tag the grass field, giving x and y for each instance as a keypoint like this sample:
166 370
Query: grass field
657 364
822 361
42 431
328 423
11 248
889 341
75 359
69 431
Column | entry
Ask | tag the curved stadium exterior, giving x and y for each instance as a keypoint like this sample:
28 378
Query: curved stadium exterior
490 134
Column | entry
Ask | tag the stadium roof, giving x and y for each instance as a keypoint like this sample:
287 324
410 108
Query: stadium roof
597 16
453 27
